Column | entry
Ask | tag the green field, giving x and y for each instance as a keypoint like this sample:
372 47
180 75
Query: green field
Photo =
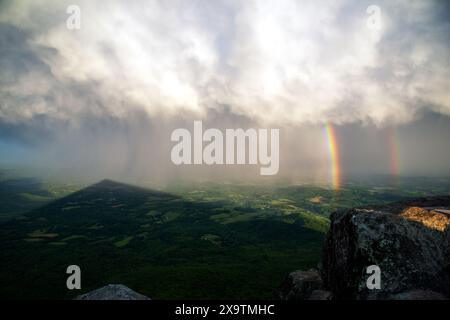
194 240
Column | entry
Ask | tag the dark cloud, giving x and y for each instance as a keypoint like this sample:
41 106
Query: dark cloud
103 100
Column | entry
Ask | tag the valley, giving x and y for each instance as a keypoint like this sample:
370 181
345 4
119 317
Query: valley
189 241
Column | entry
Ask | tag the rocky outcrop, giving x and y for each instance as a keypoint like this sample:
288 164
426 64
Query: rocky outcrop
113 292
418 295
320 295
300 285
408 241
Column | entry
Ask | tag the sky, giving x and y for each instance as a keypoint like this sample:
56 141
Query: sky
102 100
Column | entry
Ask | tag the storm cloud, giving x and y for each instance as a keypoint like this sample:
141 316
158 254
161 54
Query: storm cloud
111 91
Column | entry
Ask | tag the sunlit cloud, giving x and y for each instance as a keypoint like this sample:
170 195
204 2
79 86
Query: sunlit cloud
278 61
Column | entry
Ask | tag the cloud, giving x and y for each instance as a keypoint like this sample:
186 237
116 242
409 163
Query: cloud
104 99
285 62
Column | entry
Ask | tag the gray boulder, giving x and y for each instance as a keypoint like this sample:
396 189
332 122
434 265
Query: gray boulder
112 292
320 295
418 295
408 241
299 285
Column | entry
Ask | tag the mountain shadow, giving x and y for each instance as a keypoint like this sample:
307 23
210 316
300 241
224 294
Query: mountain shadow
157 243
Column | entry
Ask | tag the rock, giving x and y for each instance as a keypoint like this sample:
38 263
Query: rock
113 292
419 295
430 217
320 295
299 285
409 241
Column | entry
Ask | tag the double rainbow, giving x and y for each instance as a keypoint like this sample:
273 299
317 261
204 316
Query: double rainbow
335 165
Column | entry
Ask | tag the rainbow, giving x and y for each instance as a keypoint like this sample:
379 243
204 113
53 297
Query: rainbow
334 156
